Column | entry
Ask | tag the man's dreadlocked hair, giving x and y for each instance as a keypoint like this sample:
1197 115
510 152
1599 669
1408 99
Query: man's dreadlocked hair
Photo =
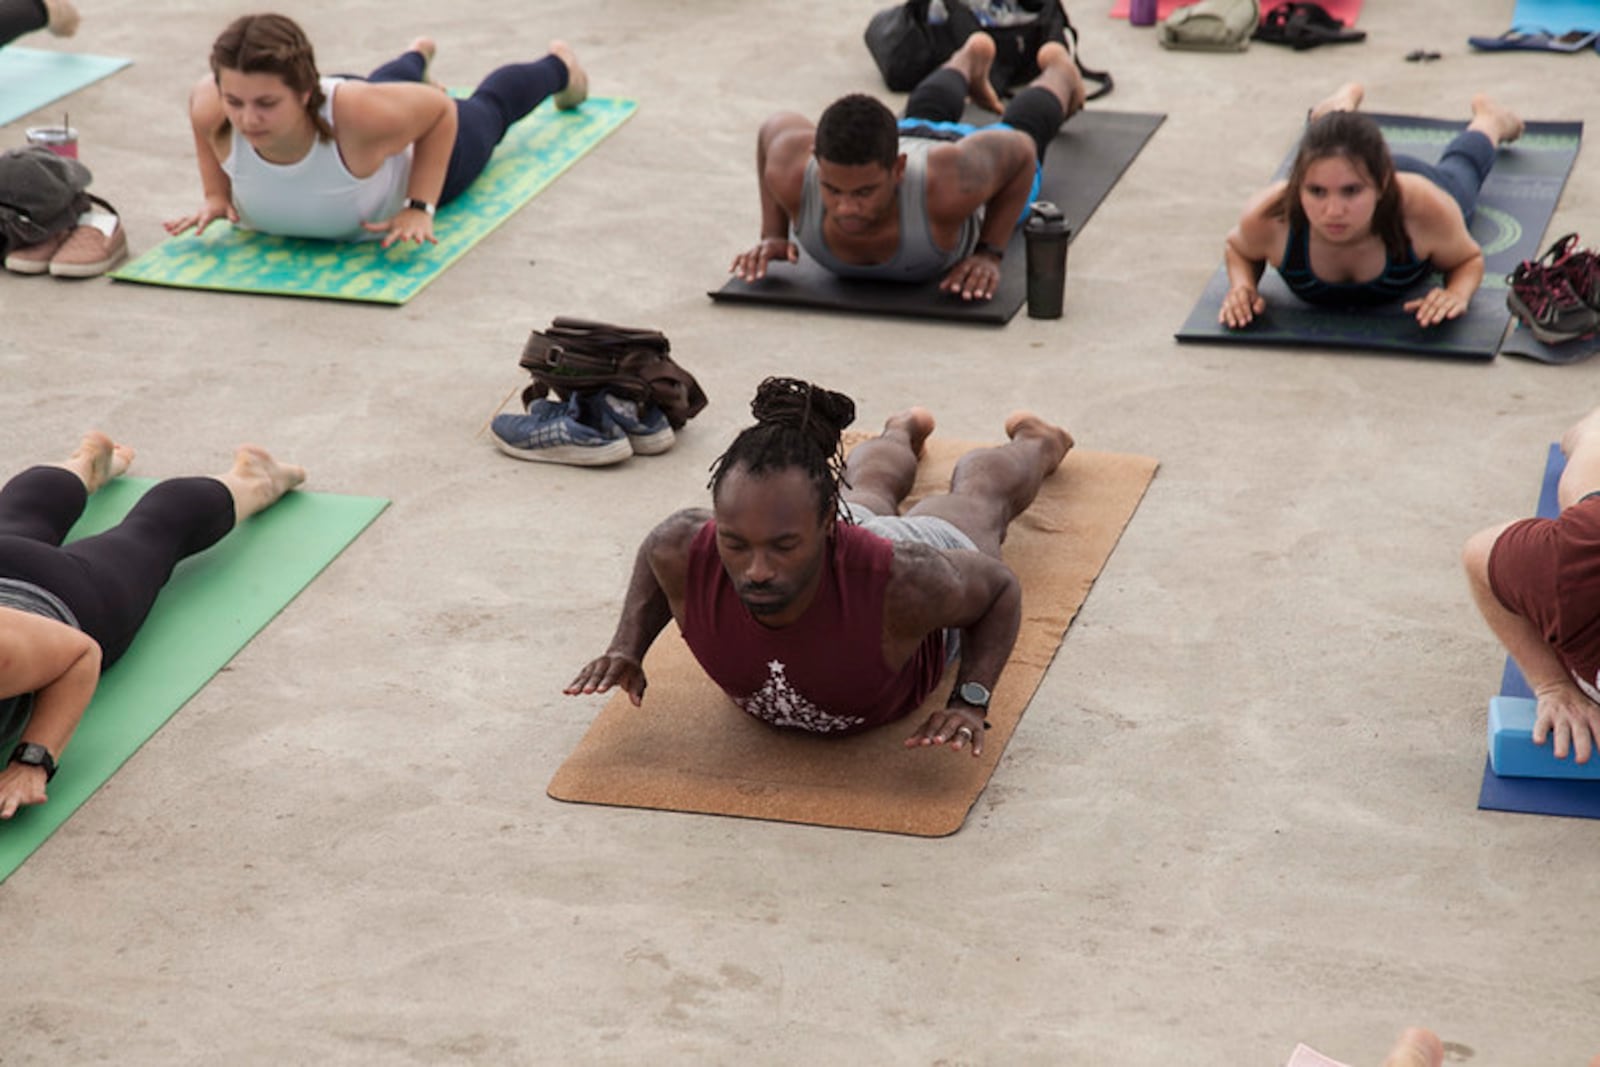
797 425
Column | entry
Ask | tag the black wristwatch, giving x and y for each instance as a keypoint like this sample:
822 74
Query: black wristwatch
421 205
974 694
31 755
984 248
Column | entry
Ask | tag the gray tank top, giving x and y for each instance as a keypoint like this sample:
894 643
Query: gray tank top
25 596
919 256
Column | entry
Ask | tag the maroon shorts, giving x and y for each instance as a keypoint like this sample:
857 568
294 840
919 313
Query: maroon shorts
1548 572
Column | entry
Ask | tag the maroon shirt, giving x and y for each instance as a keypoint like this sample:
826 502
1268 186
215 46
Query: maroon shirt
1548 571
825 671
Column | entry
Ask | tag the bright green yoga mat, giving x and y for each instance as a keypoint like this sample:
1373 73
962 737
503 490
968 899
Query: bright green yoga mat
214 604
30 78
534 152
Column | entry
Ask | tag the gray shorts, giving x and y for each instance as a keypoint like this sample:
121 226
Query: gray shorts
918 529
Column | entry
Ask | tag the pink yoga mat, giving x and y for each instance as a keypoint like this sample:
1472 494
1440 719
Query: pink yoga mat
1345 11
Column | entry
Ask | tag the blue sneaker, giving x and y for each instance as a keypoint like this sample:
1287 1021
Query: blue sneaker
554 431
646 426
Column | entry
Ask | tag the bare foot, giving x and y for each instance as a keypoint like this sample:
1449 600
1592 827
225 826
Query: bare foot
62 18
1589 424
915 422
1500 124
1416 1048
97 460
1057 65
1347 97
257 481
577 90
973 60
1027 424
427 48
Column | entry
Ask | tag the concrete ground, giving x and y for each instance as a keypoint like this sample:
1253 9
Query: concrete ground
1238 814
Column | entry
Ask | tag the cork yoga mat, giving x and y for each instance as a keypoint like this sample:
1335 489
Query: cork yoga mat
688 748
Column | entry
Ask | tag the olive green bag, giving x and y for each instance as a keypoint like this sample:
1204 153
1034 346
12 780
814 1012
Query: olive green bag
1211 26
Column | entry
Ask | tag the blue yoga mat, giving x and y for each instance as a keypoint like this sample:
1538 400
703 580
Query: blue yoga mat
31 78
1557 16
1538 796
1513 210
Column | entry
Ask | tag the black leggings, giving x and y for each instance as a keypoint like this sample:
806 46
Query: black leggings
18 17
942 96
505 96
110 580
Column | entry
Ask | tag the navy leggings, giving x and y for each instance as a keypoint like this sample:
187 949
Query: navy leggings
110 580
502 98
18 17
1460 171
942 96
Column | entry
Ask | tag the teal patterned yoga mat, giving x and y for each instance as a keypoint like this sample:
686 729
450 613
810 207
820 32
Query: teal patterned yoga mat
214 604
30 78
534 153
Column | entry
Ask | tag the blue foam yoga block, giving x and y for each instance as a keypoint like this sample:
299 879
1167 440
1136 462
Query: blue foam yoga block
1512 752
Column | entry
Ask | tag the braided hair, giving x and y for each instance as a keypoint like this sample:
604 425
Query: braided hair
798 425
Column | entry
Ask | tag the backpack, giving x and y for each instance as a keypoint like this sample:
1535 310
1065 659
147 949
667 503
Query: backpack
907 46
41 194
579 355
1211 26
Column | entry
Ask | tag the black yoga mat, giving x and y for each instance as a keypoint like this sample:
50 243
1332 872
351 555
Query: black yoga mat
1513 210
1085 160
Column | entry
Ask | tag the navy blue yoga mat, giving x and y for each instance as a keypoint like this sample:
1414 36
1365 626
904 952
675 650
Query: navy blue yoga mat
1538 796
1513 210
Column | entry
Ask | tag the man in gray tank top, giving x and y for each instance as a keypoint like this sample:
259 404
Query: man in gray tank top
924 198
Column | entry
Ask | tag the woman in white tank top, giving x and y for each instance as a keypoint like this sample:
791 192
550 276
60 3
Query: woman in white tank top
285 151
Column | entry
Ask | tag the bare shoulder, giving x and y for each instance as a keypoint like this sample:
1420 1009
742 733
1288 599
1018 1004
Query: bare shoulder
1260 230
785 143
207 116
667 546
1434 223
967 173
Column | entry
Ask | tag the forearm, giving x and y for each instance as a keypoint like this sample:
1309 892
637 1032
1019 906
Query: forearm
986 644
214 181
58 706
1462 281
645 610
430 158
1242 270
1004 210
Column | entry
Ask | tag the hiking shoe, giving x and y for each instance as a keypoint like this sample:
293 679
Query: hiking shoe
1544 301
554 431
1580 267
646 426
88 250
35 259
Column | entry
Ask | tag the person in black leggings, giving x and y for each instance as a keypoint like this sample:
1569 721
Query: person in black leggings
18 17
67 612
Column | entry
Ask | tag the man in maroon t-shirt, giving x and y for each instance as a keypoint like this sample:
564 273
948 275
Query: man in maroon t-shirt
810 600
1537 582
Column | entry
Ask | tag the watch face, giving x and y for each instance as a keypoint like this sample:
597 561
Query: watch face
974 694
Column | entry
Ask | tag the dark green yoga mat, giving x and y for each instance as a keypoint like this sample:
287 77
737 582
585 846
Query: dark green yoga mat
533 154
1513 210
214 604
1085 160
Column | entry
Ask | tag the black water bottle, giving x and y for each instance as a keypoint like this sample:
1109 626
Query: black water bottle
1046 233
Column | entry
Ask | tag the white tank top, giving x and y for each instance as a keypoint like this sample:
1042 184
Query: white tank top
316 196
